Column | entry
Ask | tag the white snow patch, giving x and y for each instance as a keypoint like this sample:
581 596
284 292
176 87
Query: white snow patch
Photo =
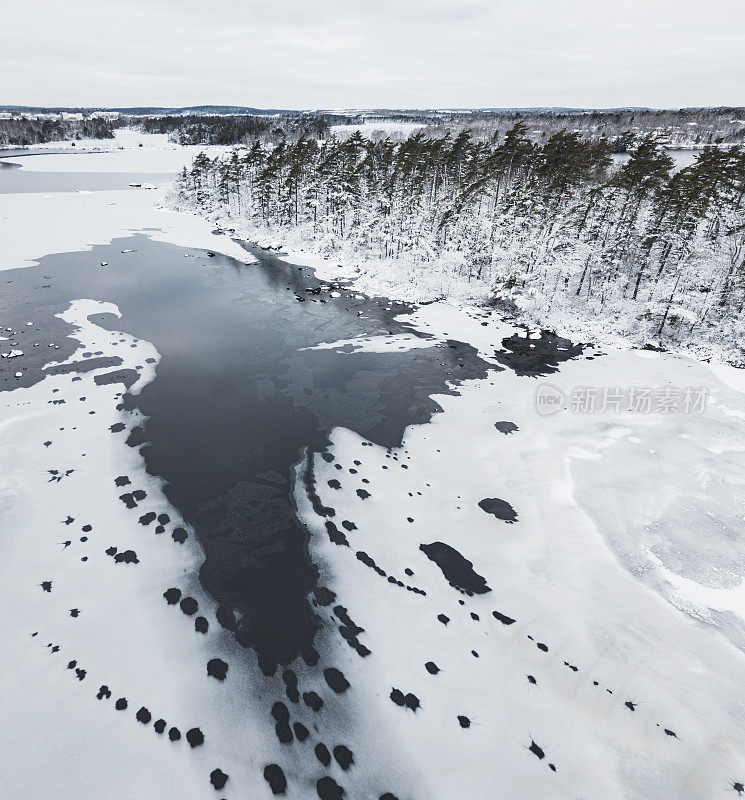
401 342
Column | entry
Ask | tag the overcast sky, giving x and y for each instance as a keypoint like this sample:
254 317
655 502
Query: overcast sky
378 53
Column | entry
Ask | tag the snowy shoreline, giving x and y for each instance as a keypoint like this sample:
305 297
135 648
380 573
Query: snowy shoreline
552 233
417 282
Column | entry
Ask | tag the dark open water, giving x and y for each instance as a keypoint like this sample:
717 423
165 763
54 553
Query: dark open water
235 401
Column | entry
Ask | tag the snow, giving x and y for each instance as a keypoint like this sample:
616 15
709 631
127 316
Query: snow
624 562
376 344
122 154
407 280
33 225
74 221
732 376
55 732
396 130
620 516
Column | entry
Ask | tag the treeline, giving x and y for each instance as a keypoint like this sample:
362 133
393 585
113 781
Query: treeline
16 132
623 129
551 227
228 130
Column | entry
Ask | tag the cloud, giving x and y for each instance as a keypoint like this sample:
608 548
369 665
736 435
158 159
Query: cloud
389 53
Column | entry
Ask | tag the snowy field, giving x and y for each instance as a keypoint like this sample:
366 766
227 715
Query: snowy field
526 604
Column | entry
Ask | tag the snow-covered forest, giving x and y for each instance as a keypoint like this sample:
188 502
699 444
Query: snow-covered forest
676 128
33 131
553 232
223 129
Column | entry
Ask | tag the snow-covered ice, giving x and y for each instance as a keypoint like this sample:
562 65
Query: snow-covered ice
529 605
617 641
33 225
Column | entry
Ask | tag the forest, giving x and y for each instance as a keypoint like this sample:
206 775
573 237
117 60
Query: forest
559 233
693 128
228 130
24 131
686 128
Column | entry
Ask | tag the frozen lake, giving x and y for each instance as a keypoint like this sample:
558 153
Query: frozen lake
331 543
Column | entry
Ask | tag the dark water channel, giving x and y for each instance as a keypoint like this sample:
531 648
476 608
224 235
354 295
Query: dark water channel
236 400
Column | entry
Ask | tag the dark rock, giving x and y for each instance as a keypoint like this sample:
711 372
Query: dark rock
398 697
457 569
179 535
172 596
324 597
329 789
217 668
503 618
201 625
344 756
280 712
336 680
284 732
538 751
218 779
195 737
301 732
189 606
127 557
335 535
322 754
312 700
275 777
501 509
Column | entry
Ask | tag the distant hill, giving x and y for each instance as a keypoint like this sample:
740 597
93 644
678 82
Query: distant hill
251 110
165 110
